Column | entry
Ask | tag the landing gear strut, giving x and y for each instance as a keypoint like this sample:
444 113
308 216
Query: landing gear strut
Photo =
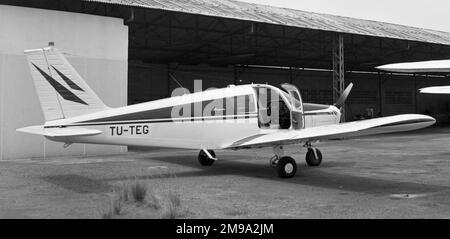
286 166
206 157
313 156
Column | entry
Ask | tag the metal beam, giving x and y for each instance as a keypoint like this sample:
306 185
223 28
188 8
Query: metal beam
338 70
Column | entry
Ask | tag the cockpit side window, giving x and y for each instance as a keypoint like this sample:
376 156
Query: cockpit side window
273 112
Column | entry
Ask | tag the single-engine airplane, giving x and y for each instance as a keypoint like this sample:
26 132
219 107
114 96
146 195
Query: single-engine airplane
235 117
422 67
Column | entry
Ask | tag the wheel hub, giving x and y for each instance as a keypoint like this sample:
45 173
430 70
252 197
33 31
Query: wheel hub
289 168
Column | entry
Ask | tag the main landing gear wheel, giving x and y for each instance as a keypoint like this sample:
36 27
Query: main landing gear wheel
204 160
313 159
286 167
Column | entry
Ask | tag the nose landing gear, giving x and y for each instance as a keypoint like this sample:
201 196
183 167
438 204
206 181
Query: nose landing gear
206 157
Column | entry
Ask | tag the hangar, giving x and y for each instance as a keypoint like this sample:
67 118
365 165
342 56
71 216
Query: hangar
133 51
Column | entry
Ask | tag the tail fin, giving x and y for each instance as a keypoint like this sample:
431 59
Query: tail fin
61 90
341 101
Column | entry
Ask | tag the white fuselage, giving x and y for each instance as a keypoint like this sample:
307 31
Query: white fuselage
153 124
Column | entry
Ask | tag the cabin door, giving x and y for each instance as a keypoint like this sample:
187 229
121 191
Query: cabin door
297 114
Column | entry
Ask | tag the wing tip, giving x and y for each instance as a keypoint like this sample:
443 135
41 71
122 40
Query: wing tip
435 90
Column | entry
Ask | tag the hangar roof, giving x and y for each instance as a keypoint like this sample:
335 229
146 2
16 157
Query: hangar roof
232 33
290 17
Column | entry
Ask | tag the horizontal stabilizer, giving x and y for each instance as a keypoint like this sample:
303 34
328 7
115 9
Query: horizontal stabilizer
59 132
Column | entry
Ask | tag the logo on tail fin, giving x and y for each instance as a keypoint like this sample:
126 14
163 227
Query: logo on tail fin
62 91
68 81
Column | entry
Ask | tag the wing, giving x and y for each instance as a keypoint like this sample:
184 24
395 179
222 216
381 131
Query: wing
436 90
422 67
418 67
351 129
59 132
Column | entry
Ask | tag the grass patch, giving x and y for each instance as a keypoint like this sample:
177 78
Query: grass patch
117 206
172 206
170 212
153 200
123 191
236 212
107 215
113 208
158 200
174 199
139 191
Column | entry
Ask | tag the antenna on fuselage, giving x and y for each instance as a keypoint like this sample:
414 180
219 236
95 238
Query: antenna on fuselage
174 79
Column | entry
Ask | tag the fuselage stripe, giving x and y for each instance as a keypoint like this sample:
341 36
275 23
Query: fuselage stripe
190 119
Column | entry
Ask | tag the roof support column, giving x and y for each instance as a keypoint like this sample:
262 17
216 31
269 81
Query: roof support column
338 70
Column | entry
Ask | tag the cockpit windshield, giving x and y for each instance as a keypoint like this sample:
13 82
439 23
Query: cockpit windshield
297 101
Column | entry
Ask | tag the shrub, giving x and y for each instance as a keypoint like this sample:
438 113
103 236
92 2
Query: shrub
138 191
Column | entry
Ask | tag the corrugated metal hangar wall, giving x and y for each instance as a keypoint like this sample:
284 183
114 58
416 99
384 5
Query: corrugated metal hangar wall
96 46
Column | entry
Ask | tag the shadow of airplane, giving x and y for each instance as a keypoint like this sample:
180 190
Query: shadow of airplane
306 176
232 163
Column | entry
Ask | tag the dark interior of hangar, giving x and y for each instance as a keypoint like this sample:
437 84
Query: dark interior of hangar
169 48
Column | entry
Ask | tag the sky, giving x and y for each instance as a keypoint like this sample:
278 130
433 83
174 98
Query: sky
430 14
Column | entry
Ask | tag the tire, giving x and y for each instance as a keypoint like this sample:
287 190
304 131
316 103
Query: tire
204 160
311 159
286 167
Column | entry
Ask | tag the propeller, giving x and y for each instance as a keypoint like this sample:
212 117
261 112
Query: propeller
341 101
